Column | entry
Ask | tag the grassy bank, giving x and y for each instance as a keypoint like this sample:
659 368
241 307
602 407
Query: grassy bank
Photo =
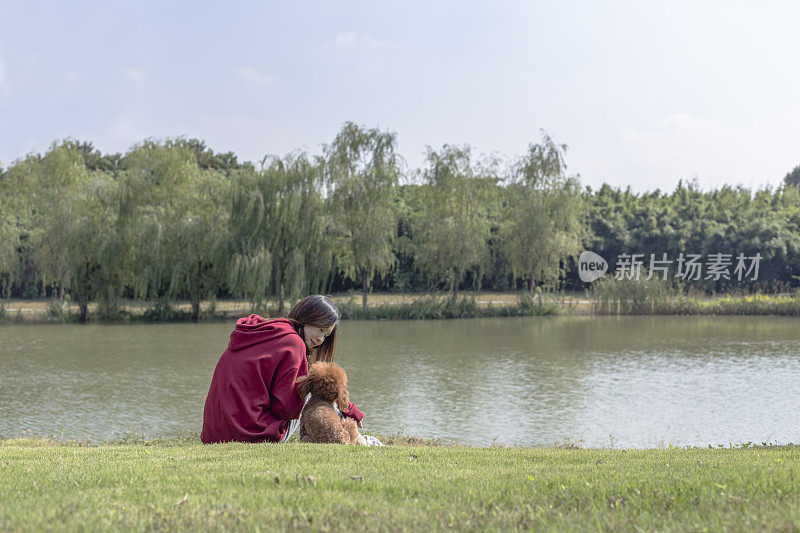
615 299
381 306
656 297
182 484
758 304
434 307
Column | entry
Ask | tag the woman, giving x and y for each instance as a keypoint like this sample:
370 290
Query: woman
252 397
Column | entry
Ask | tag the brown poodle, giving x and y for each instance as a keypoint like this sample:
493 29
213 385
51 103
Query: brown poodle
319 422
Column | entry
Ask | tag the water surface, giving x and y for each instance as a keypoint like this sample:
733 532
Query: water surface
597 381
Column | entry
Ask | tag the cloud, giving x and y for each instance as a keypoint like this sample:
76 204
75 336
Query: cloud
249 135
71 77
124 130
252 75
600 165
682 145
3 88
346 40
134 74
681 127
353 39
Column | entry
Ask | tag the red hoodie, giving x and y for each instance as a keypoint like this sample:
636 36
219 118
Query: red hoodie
253 394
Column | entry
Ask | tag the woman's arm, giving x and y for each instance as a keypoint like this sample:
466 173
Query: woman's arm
285 403
353 412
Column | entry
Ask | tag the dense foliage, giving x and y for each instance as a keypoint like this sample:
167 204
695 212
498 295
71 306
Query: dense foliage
172 220
728 220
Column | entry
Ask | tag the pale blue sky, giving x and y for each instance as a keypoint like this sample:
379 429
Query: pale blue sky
643 92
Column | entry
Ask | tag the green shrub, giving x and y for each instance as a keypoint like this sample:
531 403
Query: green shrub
441 306
163 312
631 296
58 311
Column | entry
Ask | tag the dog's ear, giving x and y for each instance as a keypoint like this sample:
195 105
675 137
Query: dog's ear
303 384
342 399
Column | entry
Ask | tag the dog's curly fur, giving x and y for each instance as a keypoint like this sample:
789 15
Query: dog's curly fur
319 422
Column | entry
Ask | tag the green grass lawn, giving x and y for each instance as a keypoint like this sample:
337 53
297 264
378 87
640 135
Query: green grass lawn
182 485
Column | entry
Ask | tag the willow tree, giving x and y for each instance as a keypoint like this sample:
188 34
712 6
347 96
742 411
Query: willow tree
70 213
277 230
451 227
362 173
181 219
198 237
544 224
15 211
55 178
250 260
9 243
89 228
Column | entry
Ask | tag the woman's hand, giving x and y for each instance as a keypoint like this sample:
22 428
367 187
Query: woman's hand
360 423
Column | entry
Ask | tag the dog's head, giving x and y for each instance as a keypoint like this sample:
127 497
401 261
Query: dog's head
326 381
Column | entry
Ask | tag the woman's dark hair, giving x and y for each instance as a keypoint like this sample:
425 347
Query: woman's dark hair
317 311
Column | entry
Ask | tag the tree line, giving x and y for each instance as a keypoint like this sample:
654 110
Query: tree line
729 221
173 220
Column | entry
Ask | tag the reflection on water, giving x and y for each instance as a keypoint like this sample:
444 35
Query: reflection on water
597 381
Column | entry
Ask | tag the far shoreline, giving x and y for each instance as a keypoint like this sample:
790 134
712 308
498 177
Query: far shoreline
414 306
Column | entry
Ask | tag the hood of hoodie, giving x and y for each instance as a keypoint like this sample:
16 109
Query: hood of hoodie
254 329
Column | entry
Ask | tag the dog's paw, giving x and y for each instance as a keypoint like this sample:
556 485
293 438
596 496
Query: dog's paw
361 440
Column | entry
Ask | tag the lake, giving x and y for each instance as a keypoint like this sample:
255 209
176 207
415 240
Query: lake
594 381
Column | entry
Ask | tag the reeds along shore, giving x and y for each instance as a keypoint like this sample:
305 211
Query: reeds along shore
609 300
654 297
431 306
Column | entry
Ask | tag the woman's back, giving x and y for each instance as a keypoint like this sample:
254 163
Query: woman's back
252 394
